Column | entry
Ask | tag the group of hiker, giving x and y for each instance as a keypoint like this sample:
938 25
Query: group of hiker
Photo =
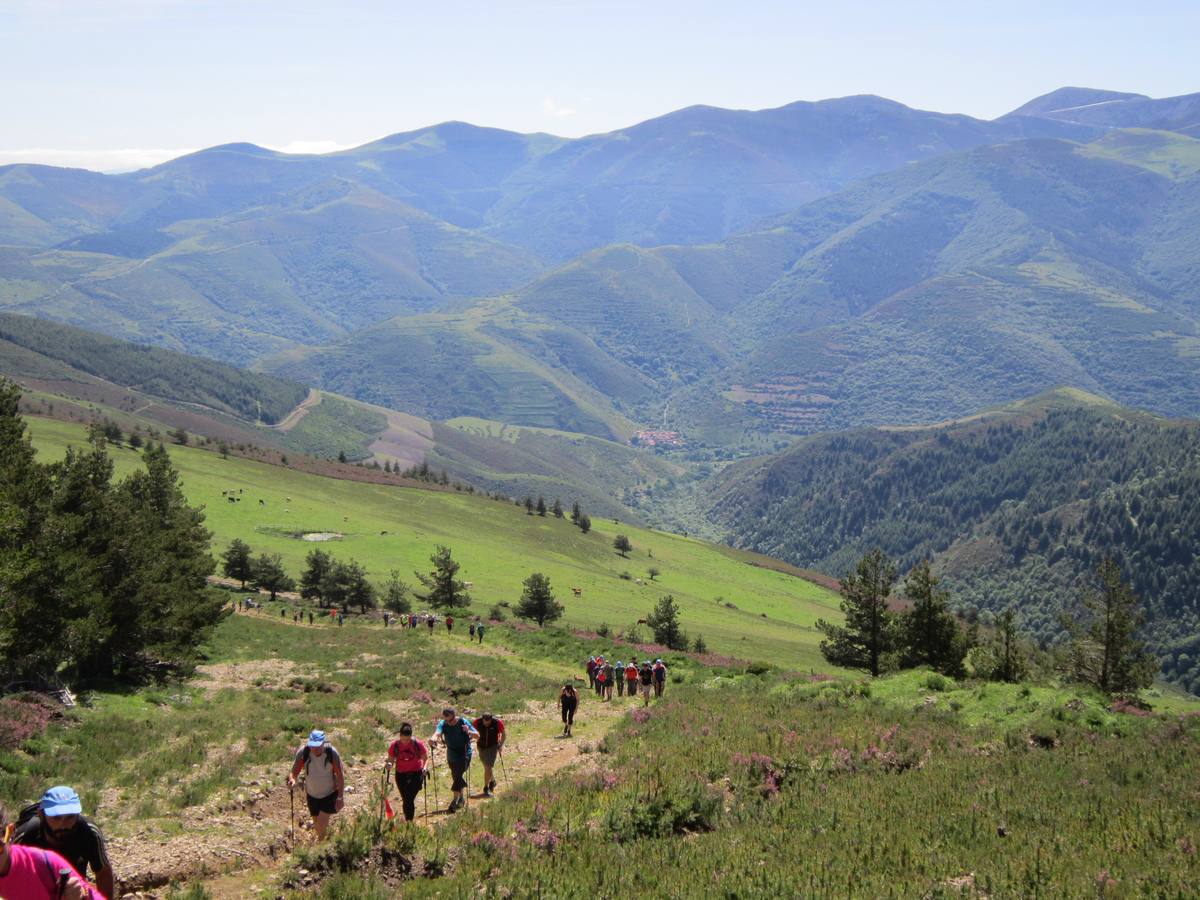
475 628
46 853
411 761
626 678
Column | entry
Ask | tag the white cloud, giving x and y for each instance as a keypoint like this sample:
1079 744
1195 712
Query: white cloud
123 160
550 108
310 147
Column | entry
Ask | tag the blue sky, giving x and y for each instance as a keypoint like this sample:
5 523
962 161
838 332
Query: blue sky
123 83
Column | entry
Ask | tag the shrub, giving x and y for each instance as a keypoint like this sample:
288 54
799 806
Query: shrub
496 613
683 808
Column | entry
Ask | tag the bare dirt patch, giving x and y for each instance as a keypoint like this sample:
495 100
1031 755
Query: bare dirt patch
261 673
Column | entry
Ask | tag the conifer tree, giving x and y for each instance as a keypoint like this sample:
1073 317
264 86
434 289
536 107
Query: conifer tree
269 574
870 631
621 545
443 589
1008 655
1105 649
236 562
541 505
557 509
576 512
930 633
316 571
537 601
664 622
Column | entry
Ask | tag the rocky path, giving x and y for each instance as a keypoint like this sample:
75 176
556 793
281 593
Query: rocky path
251 835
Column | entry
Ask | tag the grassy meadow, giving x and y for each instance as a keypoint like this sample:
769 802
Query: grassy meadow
771 619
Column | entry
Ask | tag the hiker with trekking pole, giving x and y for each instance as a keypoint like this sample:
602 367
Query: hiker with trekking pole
490 744
56 822
645 677
34 873
455 733
568 702
324 780
660 677
408 757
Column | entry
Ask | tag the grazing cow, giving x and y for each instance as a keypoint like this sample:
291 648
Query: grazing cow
578 592
231 499
262 502
289 499
638 581
641 621
468 584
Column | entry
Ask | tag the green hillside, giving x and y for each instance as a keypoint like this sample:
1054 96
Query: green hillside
39 349
498 545
1016 507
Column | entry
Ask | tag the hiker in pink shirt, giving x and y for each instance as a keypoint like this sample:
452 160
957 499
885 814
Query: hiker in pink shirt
31 873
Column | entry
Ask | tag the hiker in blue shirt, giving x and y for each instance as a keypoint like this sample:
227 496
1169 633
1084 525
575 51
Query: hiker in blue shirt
456 734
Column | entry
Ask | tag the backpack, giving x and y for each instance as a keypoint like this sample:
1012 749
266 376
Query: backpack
28 812
331 757
631 673
647 674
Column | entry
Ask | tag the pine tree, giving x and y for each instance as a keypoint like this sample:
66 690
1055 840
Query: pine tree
653 572
698 645
1007 652
1105 650
537 601
443 590
664 622
316 570
395 594
541 505
576 512
236 562
528 505
359 591
584 522
557 508
870 631
930 633
269 574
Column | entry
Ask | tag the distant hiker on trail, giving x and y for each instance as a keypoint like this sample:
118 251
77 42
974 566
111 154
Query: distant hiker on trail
631 678
310 618
324 780
429 622
385 620
471 630
479 632
609 675
591 672
455 733
490 743
283 612
408 757
33 873
449 624
646 677
660 677
568 702
619 677
600 676
57 823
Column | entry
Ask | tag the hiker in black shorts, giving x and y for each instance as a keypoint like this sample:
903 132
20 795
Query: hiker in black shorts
324 781
490 743
456 733
58 824
568 702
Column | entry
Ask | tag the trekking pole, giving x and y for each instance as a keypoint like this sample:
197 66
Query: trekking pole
292 797
433 761
503 770
383 792
425 790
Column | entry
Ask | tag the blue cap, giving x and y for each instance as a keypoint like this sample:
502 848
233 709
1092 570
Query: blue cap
316 738
61 801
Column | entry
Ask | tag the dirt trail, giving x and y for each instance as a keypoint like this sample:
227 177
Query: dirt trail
288 422
249 837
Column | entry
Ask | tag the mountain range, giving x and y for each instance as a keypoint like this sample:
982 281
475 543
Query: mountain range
733 275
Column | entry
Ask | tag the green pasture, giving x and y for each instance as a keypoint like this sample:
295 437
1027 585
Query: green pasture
772 615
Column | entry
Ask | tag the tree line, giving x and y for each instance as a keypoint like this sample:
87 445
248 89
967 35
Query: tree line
99 578
1103 649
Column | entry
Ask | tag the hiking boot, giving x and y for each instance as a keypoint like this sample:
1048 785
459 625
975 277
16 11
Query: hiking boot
492 786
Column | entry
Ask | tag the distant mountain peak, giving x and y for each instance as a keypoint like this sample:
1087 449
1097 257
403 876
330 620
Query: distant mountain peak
1065 98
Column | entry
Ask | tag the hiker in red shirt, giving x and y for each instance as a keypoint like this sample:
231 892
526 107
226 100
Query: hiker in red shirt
631 678
408 756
